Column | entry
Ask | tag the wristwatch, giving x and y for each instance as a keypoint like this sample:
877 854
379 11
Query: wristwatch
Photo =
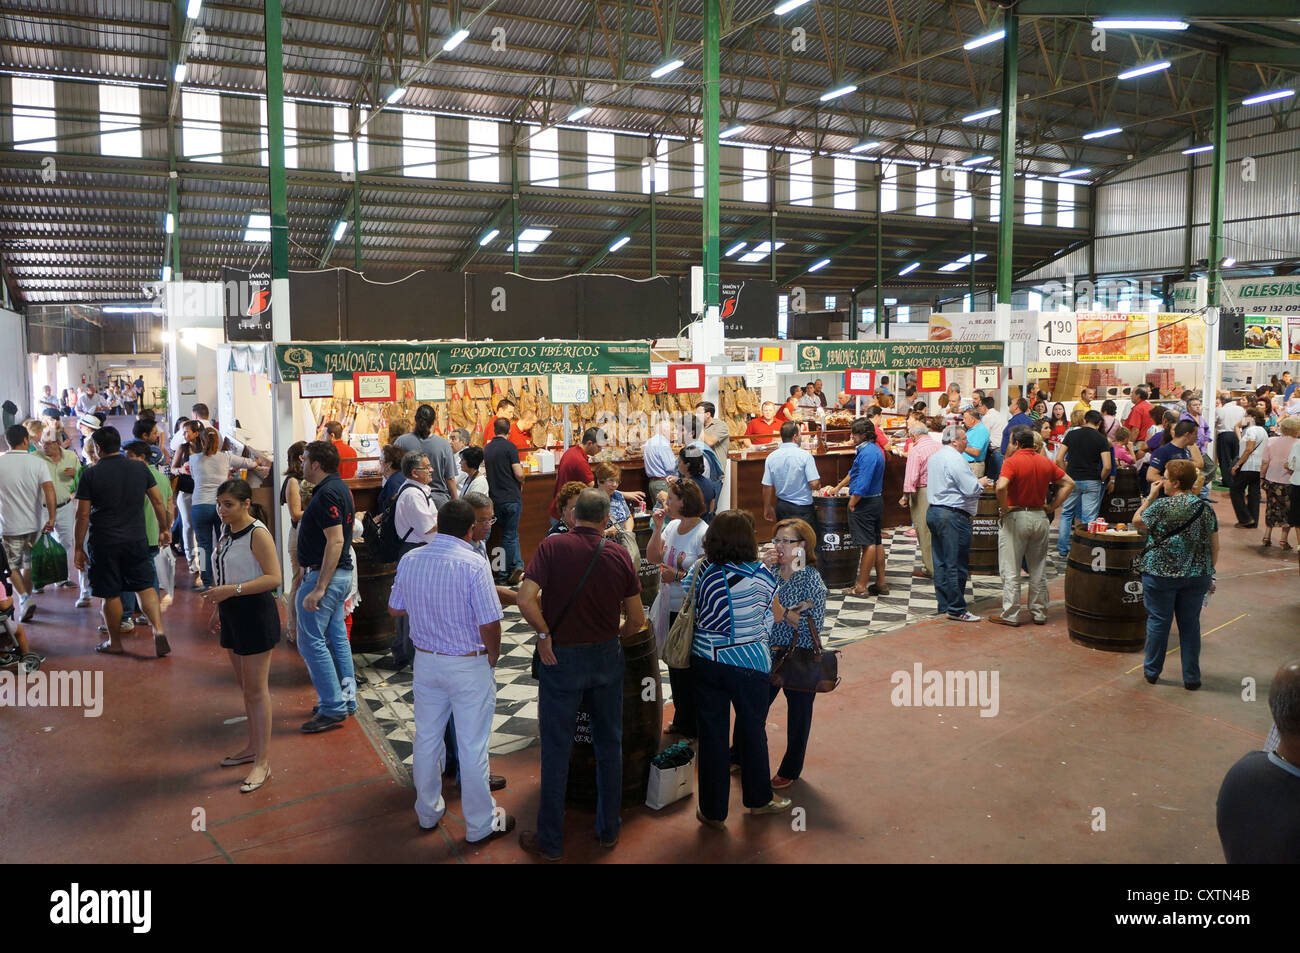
239 588
543 635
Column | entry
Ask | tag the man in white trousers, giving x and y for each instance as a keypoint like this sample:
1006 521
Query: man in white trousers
64 464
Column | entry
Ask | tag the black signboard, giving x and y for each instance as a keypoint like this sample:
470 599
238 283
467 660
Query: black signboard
618 308
246 297
506 307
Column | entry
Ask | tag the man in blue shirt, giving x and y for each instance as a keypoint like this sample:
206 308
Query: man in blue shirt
790 478
1019 418
954 498
977 439
659 459
1288 385
866 482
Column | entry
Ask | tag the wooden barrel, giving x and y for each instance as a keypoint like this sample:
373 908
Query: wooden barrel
837 557
643 528
642 725
984 536
1119 504
1103 594
372 627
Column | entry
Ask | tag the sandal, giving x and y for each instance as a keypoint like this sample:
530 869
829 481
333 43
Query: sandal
861 593
232 761
875 590
106 648
1267 542
248 787
1285 544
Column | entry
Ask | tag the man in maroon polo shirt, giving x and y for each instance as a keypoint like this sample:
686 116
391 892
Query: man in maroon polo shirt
1023 532
574 465
578 629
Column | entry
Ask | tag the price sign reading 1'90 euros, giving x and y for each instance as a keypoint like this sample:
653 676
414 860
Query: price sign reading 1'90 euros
1058 340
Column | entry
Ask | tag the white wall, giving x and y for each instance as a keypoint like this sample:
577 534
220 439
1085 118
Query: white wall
194 326
13 340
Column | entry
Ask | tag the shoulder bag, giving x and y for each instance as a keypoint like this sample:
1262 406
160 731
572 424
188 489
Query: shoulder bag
677 647
537 655
806 670
1153 540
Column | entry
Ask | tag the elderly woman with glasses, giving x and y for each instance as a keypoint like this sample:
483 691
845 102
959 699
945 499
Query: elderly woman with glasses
798 611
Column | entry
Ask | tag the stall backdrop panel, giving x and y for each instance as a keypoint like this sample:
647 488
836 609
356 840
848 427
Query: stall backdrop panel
425 306
507 307
316 310
616 307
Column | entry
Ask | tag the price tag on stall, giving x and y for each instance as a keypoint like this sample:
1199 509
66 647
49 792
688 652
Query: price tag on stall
430 388
986 378
315 385
374 386
570 388
931 379
685 378
758 374
656 385
860 382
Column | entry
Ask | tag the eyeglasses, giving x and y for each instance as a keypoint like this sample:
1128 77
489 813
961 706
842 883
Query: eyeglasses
778 541
415 469
487 522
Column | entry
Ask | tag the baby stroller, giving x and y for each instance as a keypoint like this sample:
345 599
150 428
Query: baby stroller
14 651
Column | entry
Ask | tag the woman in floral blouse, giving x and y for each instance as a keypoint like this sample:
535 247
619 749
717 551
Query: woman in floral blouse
1177 568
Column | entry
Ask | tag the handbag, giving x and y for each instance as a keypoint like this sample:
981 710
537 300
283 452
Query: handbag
1139 562
677 647
806 670
536 669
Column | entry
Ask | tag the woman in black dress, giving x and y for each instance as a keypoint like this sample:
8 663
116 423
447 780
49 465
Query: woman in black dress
246 572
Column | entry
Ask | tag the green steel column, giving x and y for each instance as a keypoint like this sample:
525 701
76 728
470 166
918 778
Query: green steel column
1007 163
275 141
1189 214
356 204
771 243
880 300
973 232
654 228
173 203
1217 173
712 108
853 314
514 207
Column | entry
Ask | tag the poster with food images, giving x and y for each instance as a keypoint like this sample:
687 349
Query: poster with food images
1263 339
1293 337
1180 335
1113 337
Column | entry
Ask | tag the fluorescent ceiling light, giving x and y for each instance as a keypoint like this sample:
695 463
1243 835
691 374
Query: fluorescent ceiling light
1265 97
978 160
170 223
783 8
1229 262
864 146
130 309
1099 133
397 93
1144 69
1072 172
1140 24
579 113
620 243
982 114
455 40
962 262
178 74
192 11
489 236
667 68
258 229
734 249
837 93
985 40
760 251
732 131
1195 149
167 273
818 266
908 269
890 302
529 239
339 229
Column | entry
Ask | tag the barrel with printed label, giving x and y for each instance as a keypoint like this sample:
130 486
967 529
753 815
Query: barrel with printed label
837 557
643 528
1121 501
984 536
1103 592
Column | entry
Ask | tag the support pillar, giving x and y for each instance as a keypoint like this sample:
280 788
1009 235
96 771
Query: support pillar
1007 157
712 110
514 207
1218 173
356 204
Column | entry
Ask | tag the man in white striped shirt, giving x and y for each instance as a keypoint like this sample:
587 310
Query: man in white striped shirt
446 590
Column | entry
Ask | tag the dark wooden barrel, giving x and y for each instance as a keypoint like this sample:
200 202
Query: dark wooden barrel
643 528
984 536
1103 594
642 727
372 627
837 557
1119 504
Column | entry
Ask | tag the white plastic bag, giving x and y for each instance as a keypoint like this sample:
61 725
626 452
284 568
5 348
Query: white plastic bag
165 563
668 785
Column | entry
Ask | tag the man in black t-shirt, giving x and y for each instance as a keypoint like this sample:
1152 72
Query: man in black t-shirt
111 543
1088 462
325 555
505 477
1259 803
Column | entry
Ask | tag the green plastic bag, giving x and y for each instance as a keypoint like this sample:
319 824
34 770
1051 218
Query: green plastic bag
49 562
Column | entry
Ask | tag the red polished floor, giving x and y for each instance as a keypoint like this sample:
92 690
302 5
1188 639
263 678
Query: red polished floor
1077 731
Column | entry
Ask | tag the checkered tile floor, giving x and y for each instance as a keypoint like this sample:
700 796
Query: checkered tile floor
390 696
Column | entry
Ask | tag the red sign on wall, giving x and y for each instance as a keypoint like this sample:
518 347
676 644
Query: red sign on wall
656 385
375 386
685 378
859 382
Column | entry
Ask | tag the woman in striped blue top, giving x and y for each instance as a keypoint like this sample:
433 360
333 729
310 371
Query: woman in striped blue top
731 665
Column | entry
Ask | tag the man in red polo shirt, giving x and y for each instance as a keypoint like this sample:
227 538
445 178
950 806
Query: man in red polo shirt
333 432
506 408
1139 421
574 465
1023 532
763 429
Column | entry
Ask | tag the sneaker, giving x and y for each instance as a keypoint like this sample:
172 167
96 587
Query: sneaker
126 626
67 584
965 617
82 602
27 610
319 723
140 619
777 805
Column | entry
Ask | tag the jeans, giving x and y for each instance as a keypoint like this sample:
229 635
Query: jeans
1167 598
323 644
507 515
718 688
993 463
950 532
1084 504
590 674
185 515
1245 496
206 525
797 511
1023 537
1226 448
798 726
466 686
